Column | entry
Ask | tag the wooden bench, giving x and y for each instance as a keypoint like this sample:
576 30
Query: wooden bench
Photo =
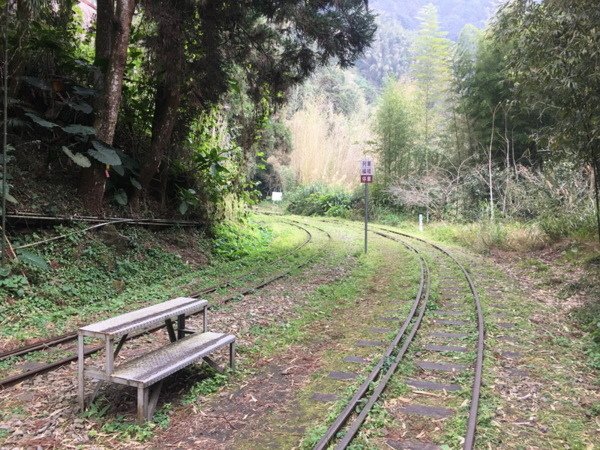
146 372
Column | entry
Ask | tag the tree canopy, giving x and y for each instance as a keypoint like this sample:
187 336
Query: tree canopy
147 72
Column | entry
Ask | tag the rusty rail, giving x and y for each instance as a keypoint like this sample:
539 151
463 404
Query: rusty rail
469 443
354 427
11 380
420 299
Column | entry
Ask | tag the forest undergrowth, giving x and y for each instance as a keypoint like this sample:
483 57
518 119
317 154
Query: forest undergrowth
94 274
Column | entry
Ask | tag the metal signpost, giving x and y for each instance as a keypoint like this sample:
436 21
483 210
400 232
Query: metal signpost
366 177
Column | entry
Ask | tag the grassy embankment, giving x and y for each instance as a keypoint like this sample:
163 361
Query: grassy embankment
98 274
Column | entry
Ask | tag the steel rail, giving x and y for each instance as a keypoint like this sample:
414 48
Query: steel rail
39 345
383 382
57 340
98 221
11 380
469 443
63 236
362 390
26 216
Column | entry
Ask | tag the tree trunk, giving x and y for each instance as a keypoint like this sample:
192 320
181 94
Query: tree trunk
427 154
456 135
170 58
22 23
167 101
105 17
112 41
596 165
491 180
164 184
512 148
507 179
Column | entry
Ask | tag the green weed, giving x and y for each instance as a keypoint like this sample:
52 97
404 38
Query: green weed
97 409
233 240
127 430
209 385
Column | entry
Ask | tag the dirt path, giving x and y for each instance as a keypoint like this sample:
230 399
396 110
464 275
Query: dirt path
539 391
544 392
275 406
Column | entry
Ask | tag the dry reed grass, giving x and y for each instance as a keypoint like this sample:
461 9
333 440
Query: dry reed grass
327 146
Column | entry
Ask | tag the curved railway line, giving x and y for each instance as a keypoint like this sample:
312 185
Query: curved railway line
46 345
379 369
480 346
348 423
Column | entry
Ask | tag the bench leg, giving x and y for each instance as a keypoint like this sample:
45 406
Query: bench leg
80 377
97 388
171 330
211 362
181 326
154 394
232 355
142 403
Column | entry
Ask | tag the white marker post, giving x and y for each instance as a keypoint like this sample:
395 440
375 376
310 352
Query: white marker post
421 222
366 177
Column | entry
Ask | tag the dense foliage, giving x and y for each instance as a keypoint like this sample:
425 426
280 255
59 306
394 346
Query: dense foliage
499 124
166 101
319 200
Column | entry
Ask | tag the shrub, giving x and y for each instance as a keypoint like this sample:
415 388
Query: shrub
318 200
484 236
233 240
563 223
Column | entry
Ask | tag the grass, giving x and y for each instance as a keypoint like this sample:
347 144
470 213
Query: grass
121 427
212 381
154 271
92 277
553 360
379 416
341 299
565 421
321 305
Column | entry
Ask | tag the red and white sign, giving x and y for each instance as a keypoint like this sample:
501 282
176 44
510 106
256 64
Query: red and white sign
367 170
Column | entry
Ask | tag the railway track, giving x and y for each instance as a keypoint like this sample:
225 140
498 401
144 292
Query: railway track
458 324
46 345
31 218
459 321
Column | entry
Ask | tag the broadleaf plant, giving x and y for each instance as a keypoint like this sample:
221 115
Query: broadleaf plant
77 158
104 154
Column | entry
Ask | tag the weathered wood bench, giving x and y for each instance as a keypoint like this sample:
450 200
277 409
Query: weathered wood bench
146 372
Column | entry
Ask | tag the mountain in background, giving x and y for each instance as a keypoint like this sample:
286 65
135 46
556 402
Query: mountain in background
454 14
397 22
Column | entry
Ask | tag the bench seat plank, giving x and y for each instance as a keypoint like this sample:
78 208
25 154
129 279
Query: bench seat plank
144 318
158 364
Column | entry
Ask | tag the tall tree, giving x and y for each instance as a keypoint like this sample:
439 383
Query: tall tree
431 70
278 43
394 126
169 48
113 25
463 72
554 64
